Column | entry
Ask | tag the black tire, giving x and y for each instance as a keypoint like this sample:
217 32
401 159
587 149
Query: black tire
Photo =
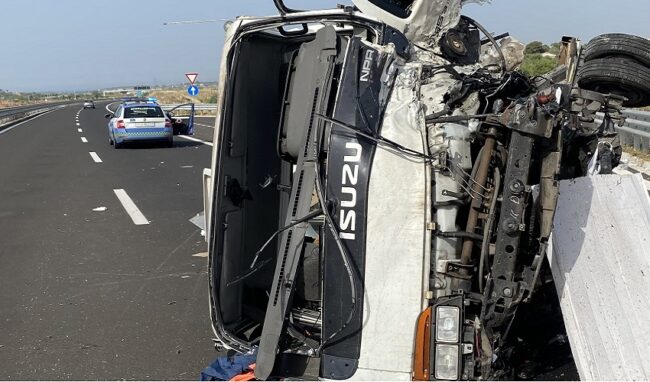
170 143
117 145
617 75
618 44
110 141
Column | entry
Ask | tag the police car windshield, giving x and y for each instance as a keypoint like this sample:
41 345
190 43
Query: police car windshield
143 112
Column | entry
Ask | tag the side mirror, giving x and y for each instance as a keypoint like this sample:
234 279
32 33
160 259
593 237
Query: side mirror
108 116
170 114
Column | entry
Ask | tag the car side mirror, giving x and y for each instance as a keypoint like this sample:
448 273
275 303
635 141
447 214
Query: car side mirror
108 116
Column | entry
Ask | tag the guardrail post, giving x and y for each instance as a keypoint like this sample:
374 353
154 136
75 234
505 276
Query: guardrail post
623 138
637 143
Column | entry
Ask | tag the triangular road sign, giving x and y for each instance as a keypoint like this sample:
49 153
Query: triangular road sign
191 77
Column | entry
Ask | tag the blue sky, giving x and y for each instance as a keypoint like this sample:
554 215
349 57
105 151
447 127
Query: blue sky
55 45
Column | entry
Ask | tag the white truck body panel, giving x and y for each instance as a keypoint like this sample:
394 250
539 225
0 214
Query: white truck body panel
397 248
600 260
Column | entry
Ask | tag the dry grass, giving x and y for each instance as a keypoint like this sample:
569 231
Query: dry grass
176 96
171 96
635 153
8 103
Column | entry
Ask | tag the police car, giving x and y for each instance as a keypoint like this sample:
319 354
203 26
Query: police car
139 120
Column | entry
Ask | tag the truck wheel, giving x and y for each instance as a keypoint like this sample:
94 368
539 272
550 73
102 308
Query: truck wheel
617 75
619 44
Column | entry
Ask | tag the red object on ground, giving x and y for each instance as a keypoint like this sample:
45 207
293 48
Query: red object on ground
246 376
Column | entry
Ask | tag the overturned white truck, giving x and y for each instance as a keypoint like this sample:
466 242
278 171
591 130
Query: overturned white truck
370 206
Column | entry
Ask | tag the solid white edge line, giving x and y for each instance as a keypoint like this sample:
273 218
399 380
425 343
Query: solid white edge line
109 110
130 207
194 140
95 157
84 140
20 123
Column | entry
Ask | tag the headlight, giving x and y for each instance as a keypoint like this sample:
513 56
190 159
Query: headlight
447 323
446 362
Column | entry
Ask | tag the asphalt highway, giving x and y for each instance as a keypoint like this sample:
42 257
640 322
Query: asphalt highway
102 276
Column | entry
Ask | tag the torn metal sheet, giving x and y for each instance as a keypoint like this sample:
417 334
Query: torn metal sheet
423 21
513 52
600 258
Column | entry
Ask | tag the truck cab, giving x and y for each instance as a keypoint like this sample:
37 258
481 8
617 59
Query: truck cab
380 199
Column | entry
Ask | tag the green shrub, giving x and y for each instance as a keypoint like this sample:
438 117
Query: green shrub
536 47
536 64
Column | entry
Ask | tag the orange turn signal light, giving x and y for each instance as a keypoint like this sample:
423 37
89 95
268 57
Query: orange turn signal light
422 353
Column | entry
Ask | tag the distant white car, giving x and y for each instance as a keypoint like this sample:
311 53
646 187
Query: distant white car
89 105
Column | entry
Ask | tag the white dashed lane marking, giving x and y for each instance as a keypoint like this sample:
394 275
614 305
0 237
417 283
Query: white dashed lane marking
95 157
130 207
84 140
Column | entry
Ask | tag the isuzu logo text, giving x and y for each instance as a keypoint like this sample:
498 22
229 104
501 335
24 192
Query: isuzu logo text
367 66
350 176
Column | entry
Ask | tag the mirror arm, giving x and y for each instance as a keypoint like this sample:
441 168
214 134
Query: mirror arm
282 8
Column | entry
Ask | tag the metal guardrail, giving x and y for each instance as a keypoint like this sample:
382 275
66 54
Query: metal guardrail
14 114
198 106
177 106
636 131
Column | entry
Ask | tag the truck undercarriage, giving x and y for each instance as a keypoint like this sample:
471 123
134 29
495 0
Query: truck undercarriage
374 190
